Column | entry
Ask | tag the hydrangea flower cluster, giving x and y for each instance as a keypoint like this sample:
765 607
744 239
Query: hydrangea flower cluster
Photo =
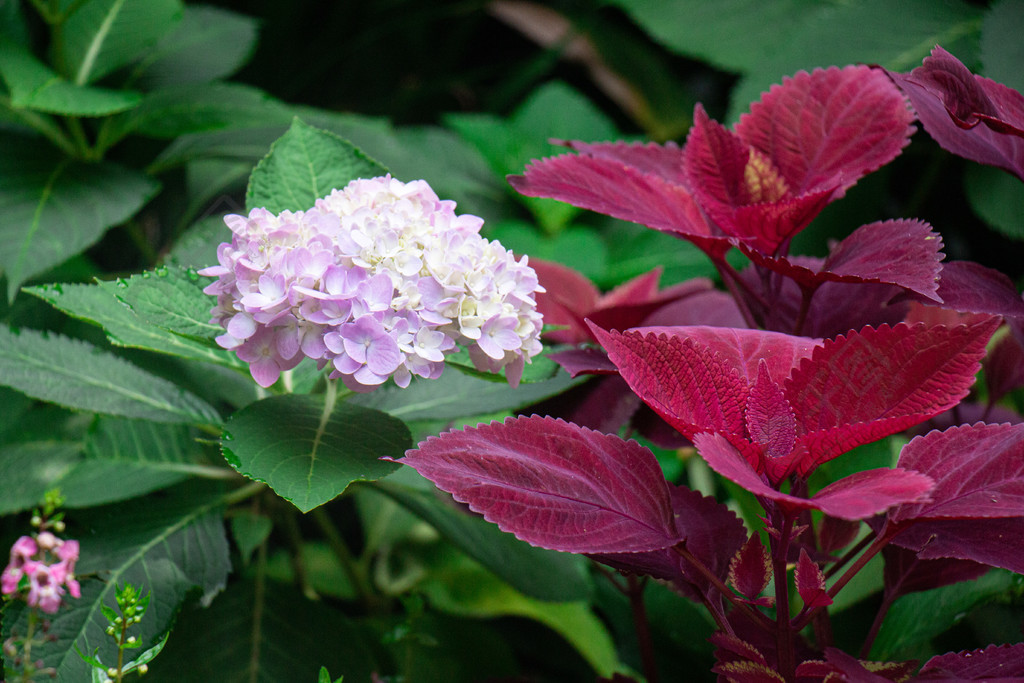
379 279
32 559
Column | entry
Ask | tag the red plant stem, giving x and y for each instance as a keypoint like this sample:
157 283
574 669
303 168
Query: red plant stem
783 627
849 555
733 282
752 614
635 593
887 599
879 542
807 293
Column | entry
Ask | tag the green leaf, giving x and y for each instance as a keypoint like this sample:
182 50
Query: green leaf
1002 52
638 250
209 43
29 469
267 632
303 165
168 545
915 619
172 298
577 247
730 34
33 85
553 111
101 36
459 586
309 449
52 208
895 35
536 572
997 197
99 304
250 530
180 110
456 394
75 374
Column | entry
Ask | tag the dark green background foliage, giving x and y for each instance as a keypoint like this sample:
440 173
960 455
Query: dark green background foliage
115 173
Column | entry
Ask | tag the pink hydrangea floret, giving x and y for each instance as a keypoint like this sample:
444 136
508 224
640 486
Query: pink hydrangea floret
48 564
378 280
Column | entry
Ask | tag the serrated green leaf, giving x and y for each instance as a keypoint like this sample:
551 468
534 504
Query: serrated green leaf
209 43
168 546
33 85
101 36
309 449
458 585
303 165
456 394
52 208
75 374
172 298
915 619
29 469
997 197
99 304
536 572
895 35
264 633
1002 52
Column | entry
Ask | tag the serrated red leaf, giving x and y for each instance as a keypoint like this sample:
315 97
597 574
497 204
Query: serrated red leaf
610 185
1002 662
829 127
584 361
568 296
810 582
858 496
995 542
972 288
864 386
1004 368
905 572
554 484
684 382
968 115
978 471
769 417
713 535
750 568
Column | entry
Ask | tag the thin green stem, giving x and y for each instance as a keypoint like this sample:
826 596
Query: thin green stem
42 124
80 139
346 559
243 493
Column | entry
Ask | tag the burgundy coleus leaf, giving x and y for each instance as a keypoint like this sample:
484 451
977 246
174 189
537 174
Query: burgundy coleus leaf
968 115
995 662
750 568
1004 368
554 484
713 533
828 128
858 496
840 666
969 287
864 386
835 534
743 192
570 298
631 181
810 582
905 253
769 417
978 501
978 471
905 572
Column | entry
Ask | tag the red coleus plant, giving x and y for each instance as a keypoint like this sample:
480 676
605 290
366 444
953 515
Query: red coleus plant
765 408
